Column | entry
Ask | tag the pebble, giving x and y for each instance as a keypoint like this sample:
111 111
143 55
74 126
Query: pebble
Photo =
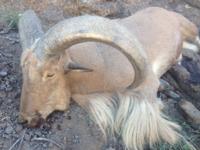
69 117
15 136
3 73
38 133
162 96
9 100
18 128
26 146
2 94
27 137
187 6
44 145
9 130
6 136
76 139
3 125
8 88
50 145
2 87
65 140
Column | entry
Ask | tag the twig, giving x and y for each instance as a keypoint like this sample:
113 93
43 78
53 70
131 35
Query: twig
8 121
193 3
16 142
48 140
10 39
22 140
197 132
5 31
2 119
36 147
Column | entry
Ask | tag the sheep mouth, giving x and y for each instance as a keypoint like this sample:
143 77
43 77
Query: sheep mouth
35 121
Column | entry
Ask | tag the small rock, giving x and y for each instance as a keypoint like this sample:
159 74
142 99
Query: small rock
44 145
3 125
2 94
69 117
76 139
2 87
9 130
194 3
38 133
26 146
18 128
8 55
8 88
16 136
187 6
9 100
3 73
65 140
59 127
2 25
6 136
162 96
50 145
1 143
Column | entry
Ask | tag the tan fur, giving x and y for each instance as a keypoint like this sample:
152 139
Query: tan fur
134 114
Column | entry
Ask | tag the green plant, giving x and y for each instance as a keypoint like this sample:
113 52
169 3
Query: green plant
11 18
186 143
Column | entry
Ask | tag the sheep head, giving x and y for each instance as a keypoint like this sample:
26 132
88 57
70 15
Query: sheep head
44 88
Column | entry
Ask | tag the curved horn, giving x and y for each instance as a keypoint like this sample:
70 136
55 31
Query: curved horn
93 28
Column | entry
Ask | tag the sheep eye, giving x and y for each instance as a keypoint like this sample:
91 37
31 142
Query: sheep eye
50 75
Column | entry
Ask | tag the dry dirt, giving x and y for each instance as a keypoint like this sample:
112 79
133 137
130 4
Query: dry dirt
71 130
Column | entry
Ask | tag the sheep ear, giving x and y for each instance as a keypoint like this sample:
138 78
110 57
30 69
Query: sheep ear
73 66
